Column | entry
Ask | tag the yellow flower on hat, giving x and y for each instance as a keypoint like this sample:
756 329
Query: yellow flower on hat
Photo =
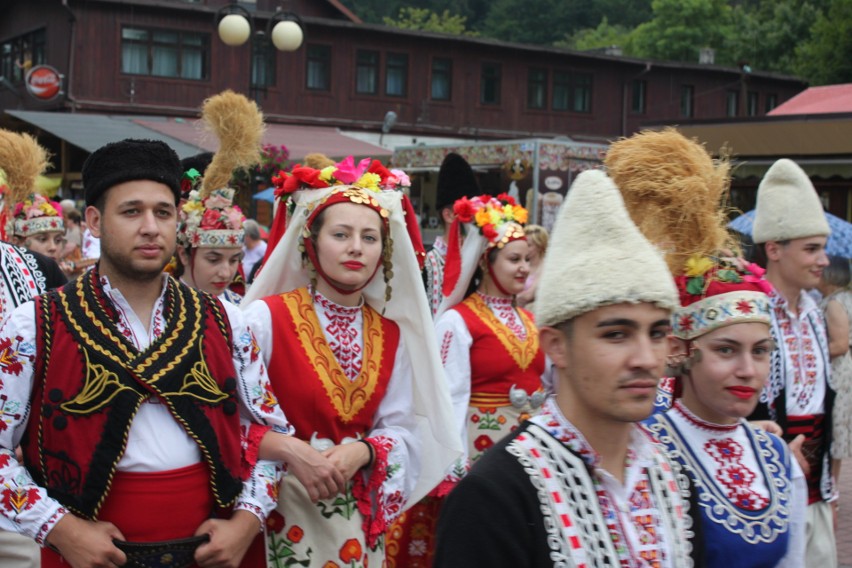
369 181
698 265
482 217
327 173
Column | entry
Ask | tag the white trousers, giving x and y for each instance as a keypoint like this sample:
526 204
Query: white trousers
820 547
18 551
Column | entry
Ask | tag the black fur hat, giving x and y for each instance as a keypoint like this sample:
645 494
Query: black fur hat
455 180
130 160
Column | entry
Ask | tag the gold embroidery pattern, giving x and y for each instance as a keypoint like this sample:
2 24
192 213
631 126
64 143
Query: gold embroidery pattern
522 352
135 362
347 397
199 382
99 388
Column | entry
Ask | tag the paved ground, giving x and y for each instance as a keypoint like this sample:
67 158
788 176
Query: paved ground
844 522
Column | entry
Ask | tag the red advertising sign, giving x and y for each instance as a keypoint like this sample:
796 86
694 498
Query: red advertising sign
44 82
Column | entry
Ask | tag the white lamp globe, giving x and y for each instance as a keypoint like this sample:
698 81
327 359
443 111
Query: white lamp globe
234 29
287 36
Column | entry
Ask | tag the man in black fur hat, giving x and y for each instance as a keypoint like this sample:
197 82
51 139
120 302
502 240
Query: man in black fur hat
455 180
128 391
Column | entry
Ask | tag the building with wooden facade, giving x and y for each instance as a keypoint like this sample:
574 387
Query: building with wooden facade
150 62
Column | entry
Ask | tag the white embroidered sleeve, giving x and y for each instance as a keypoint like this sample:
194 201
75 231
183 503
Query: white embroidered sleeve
455 343
257 405
25 505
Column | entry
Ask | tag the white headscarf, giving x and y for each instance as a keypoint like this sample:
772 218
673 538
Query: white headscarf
285 271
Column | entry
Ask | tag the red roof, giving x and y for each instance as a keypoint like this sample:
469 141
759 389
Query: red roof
300 140
818 100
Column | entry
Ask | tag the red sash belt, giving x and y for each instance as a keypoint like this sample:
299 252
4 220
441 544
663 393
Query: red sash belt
149 507
811 425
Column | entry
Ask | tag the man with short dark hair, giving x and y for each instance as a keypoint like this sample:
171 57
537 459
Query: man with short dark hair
581 484
128 392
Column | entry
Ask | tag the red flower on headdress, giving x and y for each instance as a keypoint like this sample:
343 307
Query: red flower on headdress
464 210
212 219
489 232
686 323
506 199
301 176
380 170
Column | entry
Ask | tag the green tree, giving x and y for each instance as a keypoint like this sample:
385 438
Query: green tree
605 35
826 57
426 20
766 35
549 21
680 28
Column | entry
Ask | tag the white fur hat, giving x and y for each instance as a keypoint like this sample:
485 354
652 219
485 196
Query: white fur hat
788 206
597 257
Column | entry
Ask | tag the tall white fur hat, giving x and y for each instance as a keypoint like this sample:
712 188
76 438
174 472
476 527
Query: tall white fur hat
597 257
788 206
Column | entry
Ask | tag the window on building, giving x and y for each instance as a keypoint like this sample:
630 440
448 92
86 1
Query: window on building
489 90
20 54
396 75
771 101
442 79
367 72
318 72
572 91
732 103
537 88
164 53
753 103
262 63
638 103
687 101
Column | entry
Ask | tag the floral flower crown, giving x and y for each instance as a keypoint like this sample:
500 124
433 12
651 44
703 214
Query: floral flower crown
214 222
367 174
491 215
719 291
37 214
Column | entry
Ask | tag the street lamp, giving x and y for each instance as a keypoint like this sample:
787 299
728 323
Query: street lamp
284 30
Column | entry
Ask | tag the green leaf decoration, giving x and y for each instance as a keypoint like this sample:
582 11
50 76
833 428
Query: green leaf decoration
695 286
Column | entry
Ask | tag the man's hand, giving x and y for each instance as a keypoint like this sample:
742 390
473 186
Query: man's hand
229 540
315 472
87 544
796 449
348 458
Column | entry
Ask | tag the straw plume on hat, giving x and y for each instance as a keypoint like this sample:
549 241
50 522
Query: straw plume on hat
238 124
788 206
674 191
598 257
22 160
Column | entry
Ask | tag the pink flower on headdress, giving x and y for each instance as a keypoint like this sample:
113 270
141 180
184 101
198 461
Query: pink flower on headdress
400 178
347 173
235 218
756 278
217 201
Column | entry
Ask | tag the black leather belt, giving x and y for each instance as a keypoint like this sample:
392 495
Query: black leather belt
178 553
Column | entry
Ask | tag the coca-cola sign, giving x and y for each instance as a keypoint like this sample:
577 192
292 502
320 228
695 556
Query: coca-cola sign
44 82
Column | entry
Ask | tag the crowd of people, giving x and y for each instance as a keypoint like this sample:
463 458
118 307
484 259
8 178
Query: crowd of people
628 390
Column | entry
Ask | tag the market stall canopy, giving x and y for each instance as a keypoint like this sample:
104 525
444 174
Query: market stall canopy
91 131
299 140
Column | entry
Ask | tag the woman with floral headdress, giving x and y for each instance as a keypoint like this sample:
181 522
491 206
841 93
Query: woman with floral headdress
489 349
352 355
210 229
37 225
749 496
